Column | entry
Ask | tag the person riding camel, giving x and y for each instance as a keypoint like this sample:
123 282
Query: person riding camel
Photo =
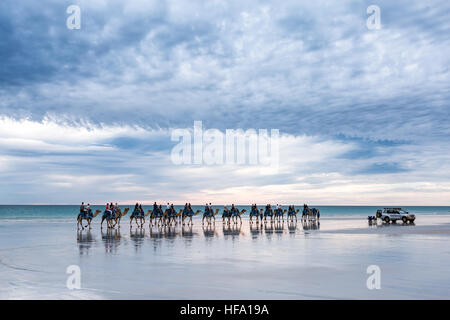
89 211
82 210
136 210
108 210
291 209
234 210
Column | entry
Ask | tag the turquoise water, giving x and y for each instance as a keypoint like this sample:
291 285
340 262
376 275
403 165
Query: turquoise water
69 211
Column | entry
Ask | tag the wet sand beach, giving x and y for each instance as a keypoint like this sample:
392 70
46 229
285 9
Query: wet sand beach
326 260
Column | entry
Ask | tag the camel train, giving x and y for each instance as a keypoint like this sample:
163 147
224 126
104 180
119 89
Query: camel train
168 217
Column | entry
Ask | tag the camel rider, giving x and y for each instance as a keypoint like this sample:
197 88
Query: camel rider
226 212
268 210
234 210
82 210
172 210
155 208
207 210
291 209
141 211
254 210
108 211
89 211
135 211
113 210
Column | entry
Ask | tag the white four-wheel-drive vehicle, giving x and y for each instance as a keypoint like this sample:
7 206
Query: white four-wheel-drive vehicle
394 214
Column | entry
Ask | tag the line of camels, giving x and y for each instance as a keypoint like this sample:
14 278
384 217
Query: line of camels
169 217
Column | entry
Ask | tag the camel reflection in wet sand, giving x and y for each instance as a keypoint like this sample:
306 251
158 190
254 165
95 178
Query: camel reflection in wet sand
111 239
137 236
209 231
310 225
233 230
85 239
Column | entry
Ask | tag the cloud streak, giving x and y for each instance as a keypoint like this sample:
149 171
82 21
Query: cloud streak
364 108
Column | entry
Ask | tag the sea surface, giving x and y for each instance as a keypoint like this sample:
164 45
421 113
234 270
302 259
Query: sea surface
27 212
280 260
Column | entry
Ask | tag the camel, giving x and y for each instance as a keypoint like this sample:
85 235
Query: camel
189 215
256 214
141 219
291 214
279 214
226 214
111 220
172 217
156 215
310 213
119 215
209 216
164 217
232 215
237 215
82 217
268 213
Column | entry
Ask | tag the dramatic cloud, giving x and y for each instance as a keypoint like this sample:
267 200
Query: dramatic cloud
363 114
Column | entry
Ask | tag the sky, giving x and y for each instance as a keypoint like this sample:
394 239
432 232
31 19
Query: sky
88 114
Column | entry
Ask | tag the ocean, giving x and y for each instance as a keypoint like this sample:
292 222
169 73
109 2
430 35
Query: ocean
30 212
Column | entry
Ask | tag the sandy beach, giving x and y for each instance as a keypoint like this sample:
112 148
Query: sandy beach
328 260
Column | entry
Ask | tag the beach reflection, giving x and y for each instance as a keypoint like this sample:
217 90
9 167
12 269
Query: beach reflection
209 231
232 230
111 239
292 227
256 230
310 225
394 224
84 240
137 237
